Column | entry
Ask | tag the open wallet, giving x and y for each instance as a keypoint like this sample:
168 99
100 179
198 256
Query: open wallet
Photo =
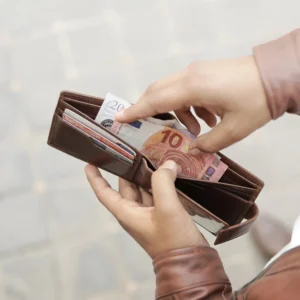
225 208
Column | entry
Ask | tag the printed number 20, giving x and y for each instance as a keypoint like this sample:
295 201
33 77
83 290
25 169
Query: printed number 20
115 105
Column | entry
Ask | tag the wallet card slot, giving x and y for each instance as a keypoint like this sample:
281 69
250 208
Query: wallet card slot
116 155
63 105
226 206
69 100
81 98
244 193
222 185
242 171
70 140
59 111
226 180
86 108
231 176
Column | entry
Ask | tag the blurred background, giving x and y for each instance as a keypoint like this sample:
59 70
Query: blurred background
56 241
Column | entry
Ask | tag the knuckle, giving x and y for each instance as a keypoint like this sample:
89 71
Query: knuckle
209 147
230 133
150 88
119 215
194 76
191 81
192 67
233 131
155 104
123 224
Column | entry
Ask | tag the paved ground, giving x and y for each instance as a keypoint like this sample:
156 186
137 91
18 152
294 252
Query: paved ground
56 242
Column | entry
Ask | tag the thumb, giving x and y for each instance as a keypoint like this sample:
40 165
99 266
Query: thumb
226 133
163 189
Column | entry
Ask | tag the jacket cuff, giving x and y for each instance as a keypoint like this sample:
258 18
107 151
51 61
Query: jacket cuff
181 269
279 67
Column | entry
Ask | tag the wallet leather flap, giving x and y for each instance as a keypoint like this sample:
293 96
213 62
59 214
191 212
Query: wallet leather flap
202 216
88 106
81 98
68 139
237 230
242 171
217 206
229 207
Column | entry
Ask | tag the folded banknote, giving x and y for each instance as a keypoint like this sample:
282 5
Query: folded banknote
160 140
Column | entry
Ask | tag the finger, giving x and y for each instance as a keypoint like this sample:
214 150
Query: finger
208 117
161 101
129 190
188 119
147 199
164 82
106 195
226 133
164 193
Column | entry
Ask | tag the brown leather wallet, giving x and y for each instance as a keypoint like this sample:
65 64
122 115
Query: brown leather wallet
225 208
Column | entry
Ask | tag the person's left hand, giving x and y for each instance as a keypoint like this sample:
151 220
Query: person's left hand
158 223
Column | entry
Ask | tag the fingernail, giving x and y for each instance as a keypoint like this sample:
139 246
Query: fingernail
170 164
194 152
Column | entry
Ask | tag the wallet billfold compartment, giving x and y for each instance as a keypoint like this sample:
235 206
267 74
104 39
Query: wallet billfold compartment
226 208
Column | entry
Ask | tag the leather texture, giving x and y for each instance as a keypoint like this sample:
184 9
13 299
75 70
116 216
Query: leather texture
278 62
220 207
198 273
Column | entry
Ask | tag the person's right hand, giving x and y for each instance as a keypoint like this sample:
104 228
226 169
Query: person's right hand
230 89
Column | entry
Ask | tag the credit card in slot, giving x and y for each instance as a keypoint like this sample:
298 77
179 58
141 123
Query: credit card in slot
97 136
111 151
99 130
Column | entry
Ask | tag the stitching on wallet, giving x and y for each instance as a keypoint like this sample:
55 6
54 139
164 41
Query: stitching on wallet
69 106
83 98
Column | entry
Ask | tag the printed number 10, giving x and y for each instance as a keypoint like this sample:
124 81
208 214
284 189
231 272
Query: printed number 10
174 139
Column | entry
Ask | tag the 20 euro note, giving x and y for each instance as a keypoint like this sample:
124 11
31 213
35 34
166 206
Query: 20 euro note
161 140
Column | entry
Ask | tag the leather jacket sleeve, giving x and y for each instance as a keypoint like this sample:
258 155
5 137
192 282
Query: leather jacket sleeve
279 65
197 272
190 274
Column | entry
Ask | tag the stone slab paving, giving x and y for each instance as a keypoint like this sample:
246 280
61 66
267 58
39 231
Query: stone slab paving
56 242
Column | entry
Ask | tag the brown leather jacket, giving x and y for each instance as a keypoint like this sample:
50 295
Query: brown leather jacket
197 273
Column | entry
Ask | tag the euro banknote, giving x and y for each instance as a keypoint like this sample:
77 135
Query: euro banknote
161 139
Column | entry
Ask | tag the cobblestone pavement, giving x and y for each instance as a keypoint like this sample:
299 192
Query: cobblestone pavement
56 241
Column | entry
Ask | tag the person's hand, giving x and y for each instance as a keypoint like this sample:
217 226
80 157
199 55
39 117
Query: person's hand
158 223
230 89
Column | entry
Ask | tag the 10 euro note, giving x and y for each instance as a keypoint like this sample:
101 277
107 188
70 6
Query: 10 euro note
161 140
